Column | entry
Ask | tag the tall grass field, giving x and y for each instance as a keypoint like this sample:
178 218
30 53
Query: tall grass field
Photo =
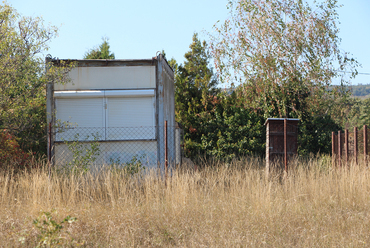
219 205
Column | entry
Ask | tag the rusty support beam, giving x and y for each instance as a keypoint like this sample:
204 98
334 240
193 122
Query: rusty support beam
339 150
333 149
365 143
355 144
346 145
285 146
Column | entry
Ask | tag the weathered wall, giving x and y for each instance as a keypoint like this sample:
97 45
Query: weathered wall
115 77
114 152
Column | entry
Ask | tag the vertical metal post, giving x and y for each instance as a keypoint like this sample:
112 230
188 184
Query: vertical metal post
165 152
333 149
355 143
365 144
339 150
285 147
346 145
49 148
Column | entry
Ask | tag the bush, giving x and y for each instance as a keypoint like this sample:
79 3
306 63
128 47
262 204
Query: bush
10 152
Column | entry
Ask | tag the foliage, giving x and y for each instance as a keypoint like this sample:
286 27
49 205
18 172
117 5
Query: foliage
83 154
23 77
215 123
133 167
50 230
10 152
285 55
357 113
314 134
102 52
229 130
284 52
194 87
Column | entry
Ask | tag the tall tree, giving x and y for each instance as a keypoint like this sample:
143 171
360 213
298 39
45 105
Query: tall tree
195 85
23 77
285 54
101 52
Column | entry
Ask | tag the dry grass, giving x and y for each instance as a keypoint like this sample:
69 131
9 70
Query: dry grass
221 206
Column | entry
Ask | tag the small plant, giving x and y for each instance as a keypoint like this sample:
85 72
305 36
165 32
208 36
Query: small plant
133 167
83 155
50 231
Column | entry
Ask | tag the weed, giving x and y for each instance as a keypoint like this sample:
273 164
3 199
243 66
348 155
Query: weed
83 155
50 231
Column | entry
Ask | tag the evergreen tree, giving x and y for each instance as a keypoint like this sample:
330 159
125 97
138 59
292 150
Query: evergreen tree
195 88
102 52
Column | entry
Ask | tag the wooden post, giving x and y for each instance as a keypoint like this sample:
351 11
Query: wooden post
346 145
355 143
339 150
365 144
333 149
285 147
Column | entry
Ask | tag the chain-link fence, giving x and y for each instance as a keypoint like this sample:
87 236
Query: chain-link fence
149 146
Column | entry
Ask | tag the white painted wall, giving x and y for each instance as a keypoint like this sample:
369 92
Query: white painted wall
145 151
112 77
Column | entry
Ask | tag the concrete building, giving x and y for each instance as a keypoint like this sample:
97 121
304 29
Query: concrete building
123 104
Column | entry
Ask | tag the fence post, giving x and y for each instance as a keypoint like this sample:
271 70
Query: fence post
285 146
165 152
333 149
346 145
355 145
49 148
365 144
339 150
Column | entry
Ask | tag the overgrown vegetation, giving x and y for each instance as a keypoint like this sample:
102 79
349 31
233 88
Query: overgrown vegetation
278 59
23 40
219 205
83 154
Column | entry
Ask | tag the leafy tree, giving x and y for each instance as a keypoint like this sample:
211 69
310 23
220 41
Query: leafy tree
102 52
23 77
22 82
284 54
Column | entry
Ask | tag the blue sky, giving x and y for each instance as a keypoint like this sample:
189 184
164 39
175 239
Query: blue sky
138 29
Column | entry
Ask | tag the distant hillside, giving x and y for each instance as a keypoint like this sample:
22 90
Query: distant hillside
361 90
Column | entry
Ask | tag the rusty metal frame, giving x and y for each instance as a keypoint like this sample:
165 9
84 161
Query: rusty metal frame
285 147
365 144
333 155
355 145
339 149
